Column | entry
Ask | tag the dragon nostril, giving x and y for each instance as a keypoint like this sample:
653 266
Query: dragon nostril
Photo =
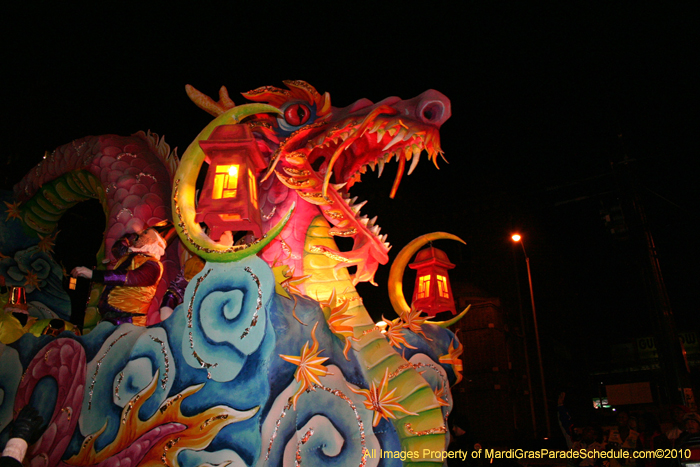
432 112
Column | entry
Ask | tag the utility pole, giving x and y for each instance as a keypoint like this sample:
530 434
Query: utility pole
669 347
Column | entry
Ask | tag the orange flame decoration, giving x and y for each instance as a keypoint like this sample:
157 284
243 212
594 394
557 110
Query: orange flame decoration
394 333
310 367
196 432
381 400
452 358
335 309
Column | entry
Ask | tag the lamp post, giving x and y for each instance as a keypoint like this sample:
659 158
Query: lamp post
531 396
518 239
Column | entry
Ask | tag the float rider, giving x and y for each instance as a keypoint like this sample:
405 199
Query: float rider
131 285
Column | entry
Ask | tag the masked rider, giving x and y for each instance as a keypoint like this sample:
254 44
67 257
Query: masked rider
131 285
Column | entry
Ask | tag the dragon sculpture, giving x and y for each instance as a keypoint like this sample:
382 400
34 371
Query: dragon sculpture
271 358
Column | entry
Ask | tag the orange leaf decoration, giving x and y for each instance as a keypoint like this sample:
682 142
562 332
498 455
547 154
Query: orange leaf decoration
13 210
395 335
310 367
413 321
337 317
381 400
441 396
452 358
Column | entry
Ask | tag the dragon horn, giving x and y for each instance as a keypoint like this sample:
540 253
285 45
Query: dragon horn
450 322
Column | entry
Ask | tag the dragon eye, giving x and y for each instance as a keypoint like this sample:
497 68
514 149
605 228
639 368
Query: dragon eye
297 114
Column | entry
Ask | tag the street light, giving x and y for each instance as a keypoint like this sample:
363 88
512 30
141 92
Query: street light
518 239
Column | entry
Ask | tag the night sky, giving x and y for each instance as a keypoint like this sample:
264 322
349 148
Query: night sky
546 99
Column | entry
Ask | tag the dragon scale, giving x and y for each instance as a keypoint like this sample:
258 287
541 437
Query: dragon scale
372 349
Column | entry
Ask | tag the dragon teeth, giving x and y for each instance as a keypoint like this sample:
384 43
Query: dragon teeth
364 220
380 163
414 162
373 220
380 134
375 229
399 137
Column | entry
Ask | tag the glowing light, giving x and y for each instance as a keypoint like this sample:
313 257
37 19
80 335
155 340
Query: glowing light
516 237
432 293
225 181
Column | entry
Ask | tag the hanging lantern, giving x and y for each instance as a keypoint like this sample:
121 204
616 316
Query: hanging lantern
229 198
432 293
17 298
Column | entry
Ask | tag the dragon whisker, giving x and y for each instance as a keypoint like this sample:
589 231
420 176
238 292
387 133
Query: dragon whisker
399 175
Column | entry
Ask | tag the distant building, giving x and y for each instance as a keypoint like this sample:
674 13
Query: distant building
494 392
632 376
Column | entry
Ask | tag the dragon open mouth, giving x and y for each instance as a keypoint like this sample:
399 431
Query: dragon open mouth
331 162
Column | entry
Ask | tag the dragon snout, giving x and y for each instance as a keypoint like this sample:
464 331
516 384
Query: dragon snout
432 107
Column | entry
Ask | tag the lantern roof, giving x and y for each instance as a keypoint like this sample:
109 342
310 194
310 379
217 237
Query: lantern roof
431 256
232 137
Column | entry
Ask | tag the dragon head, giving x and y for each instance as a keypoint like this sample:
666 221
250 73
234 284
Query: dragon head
321 151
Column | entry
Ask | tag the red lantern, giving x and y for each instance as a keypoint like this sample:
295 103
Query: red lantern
229 198
433 292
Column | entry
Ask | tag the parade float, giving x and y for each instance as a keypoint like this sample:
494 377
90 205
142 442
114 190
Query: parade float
270 357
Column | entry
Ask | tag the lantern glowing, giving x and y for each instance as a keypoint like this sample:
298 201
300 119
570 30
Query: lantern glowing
17 298
432 293
229 199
